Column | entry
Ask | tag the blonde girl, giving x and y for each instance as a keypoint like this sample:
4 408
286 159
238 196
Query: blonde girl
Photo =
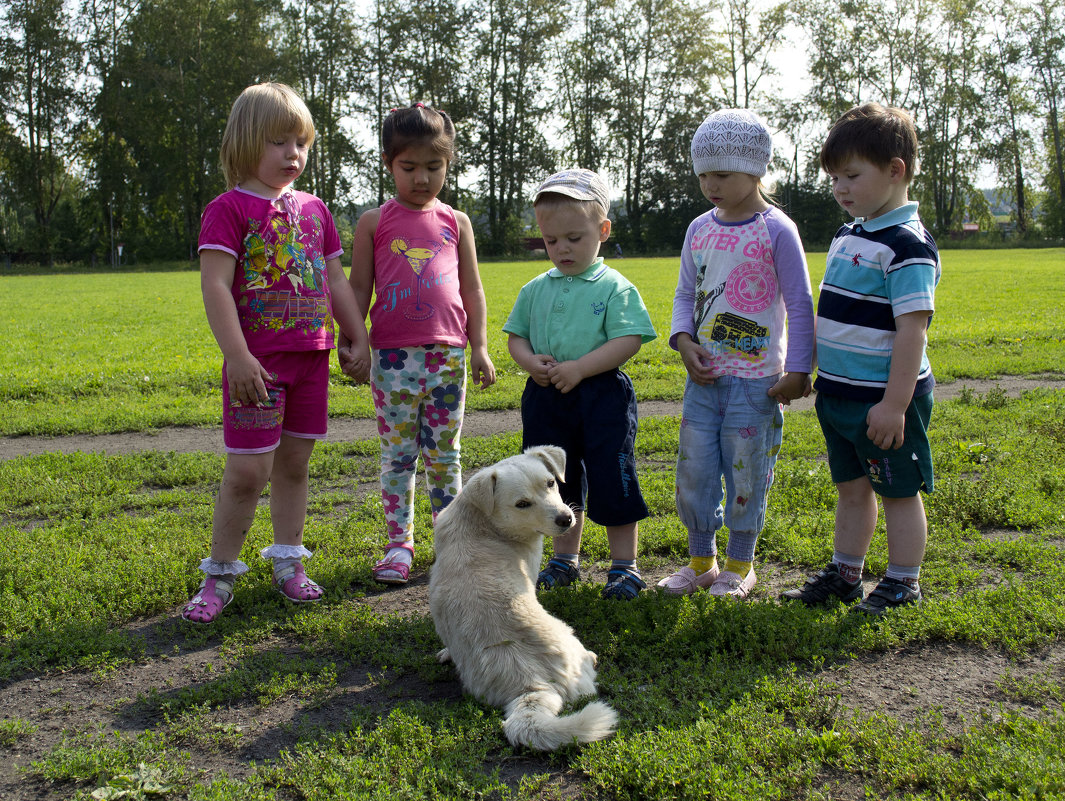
272 284
743 325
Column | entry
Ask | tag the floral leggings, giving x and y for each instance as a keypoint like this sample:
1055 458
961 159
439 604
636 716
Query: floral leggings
419 395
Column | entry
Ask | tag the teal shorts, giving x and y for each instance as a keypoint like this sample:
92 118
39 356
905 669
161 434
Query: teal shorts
898 473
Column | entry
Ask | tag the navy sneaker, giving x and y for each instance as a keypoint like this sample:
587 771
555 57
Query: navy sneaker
558 573
825 586
888 594
623 584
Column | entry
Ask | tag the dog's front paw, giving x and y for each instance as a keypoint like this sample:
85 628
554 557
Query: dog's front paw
442 656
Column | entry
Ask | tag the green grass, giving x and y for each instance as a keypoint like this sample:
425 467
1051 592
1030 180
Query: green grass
131 352
717 700
710 693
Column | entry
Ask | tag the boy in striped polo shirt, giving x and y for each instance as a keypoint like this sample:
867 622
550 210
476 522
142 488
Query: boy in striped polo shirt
874 383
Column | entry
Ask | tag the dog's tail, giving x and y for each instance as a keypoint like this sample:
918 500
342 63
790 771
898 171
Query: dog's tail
533 720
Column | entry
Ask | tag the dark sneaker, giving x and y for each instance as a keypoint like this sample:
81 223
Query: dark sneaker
825 586
623 585
888 594
558 573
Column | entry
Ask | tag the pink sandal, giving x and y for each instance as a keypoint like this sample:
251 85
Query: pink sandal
686 581
388 571
214 595
294 585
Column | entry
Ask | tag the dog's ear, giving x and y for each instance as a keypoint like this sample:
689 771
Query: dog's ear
481 490
552 456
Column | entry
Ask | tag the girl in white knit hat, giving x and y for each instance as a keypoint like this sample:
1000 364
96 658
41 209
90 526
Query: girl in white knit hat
743 323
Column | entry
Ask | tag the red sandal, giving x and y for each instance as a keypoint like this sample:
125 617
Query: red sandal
214 595
388 571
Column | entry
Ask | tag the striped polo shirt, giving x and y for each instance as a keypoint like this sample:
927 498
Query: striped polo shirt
877 270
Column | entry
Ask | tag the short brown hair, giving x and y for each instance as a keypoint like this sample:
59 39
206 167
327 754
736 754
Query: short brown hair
875 133
262 111
419 124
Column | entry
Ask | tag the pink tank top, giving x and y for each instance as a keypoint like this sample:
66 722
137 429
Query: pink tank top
416 278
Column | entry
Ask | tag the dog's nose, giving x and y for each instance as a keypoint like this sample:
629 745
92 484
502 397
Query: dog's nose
564 519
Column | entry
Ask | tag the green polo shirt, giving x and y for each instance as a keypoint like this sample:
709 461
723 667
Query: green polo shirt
568 316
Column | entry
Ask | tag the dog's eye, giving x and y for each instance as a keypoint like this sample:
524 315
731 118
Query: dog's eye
550 482
523 504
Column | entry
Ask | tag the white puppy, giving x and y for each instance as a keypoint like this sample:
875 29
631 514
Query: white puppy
509 652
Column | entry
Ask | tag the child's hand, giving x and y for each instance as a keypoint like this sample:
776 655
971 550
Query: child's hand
886 426
540 371
791 386
354 362
697 361
247 380
482 371
566 376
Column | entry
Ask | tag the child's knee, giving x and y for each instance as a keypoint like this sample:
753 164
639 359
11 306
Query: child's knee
245 475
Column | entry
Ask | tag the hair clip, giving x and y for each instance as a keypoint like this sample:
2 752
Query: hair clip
393 110
420 104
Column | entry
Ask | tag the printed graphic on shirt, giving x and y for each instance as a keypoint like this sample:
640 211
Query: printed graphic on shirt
287 281
738 312
419 255
737 335
751 287
703 299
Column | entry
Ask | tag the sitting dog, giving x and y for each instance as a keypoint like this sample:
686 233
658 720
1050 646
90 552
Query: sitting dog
509 652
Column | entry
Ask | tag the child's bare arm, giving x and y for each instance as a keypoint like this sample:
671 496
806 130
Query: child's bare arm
247 378
353 349
537 365
613 353
482 371
361 279
887 419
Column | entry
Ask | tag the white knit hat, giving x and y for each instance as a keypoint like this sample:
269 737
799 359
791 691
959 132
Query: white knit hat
578 184
732 140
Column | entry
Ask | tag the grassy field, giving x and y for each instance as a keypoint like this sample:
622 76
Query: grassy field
717 700
131 352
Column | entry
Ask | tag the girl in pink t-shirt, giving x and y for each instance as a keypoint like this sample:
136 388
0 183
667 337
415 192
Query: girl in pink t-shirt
417 257
272 283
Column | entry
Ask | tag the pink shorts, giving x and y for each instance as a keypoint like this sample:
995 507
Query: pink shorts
298 404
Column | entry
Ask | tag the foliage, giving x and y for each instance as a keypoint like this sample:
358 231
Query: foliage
113 109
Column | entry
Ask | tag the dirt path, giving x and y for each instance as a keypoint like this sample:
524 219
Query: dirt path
477 424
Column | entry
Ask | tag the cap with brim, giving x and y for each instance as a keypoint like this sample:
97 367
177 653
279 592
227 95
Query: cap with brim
578 184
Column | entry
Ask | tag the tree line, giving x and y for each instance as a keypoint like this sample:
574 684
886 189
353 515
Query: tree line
113 110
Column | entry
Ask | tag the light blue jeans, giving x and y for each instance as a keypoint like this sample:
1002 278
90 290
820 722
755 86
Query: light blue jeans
730 435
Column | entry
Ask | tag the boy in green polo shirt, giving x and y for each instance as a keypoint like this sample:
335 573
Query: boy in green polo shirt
571 329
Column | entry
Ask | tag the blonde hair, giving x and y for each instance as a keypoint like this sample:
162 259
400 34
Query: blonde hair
591 209
262 111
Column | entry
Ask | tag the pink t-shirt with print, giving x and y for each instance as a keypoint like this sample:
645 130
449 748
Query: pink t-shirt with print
280 286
